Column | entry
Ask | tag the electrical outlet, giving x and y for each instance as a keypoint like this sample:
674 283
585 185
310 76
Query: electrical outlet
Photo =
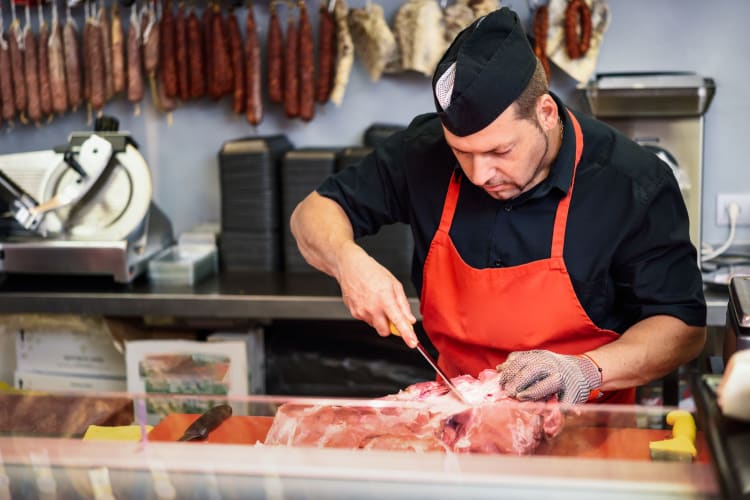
722 202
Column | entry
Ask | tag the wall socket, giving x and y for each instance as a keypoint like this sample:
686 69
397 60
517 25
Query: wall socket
722 202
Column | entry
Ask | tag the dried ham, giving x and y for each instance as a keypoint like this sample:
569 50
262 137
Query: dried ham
344 53
373 40
419 30
424 417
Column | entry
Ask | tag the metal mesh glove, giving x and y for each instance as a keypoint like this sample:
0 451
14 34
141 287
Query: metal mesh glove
537 375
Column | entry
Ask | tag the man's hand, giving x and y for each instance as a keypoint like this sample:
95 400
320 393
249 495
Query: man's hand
538 375
372 294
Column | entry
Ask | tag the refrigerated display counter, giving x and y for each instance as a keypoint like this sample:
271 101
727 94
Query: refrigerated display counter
337 448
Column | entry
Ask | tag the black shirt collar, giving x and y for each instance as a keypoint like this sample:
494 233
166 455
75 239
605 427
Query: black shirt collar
561 172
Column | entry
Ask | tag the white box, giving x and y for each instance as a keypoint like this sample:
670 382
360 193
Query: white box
59 382
162 368
256 355
7 354
74 345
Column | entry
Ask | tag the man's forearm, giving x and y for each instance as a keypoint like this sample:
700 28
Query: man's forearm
321 229
648 350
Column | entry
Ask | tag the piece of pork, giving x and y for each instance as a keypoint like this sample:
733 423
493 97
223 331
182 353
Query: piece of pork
436 421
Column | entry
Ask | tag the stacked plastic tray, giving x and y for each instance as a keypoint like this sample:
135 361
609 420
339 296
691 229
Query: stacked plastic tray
302 170
393 245
250 206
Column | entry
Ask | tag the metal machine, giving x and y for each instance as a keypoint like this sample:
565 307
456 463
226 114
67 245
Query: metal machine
664 112
82 209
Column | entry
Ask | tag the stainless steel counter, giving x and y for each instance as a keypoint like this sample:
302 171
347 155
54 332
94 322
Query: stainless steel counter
237 295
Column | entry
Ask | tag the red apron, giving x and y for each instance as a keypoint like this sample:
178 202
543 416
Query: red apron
476 317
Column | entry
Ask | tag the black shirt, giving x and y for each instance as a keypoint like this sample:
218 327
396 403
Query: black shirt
627 244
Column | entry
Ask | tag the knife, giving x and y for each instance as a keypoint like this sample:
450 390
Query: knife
426 355
199 430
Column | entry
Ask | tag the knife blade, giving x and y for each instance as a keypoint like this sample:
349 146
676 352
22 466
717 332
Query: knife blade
210 420
426 355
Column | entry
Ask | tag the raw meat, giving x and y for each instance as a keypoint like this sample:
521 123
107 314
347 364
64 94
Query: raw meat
424 417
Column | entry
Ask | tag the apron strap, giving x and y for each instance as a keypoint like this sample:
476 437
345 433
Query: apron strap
561 216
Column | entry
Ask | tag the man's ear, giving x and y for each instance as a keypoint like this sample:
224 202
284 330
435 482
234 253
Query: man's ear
547 112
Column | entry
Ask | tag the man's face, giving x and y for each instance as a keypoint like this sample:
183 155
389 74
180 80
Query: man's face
506 158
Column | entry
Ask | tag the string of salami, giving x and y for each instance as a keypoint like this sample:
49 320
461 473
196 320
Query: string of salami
186 50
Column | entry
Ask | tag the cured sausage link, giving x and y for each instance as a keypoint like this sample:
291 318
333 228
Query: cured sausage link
306 52
253 97
275 54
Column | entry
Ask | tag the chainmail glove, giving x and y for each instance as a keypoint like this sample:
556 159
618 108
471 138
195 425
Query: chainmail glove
538 375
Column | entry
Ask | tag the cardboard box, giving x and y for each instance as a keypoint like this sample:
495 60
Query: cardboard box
65 344
58 382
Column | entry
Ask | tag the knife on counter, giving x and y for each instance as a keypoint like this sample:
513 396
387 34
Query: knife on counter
426 355
210 420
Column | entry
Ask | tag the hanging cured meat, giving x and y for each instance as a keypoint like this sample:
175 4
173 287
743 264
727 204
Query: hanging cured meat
150 43
94 63
181 58
275 50
253 77
72 62
135 88
456 17
208 55
326 54
291 78
195 52
419 30
105 33
168 62
31 71
306 56
45 97
56 56
237 53
8 106
118 51
344 53
15 44
222 76
373 40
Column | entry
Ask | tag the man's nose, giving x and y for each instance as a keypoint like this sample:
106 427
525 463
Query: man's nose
482 169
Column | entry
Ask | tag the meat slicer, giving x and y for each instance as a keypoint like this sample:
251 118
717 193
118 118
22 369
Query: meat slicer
81 209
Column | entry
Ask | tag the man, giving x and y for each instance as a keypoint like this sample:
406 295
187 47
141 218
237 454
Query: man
547 244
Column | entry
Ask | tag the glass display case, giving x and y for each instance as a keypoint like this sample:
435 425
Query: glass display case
128 446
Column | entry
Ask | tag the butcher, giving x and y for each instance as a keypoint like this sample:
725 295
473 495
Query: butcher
547 245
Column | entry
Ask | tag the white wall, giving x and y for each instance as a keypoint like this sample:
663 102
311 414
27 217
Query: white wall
645 35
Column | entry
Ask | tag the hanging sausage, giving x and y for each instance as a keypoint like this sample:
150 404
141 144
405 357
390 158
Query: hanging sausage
253 95
306 57
118 51
135 88
326 54
105 33
56 56
31 71
541 25
197 76
8 105
181 51
15 46
275 54
237 52
72 62
45 96
291 79
168 62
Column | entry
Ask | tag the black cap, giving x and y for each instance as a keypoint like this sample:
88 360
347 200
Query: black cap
486 68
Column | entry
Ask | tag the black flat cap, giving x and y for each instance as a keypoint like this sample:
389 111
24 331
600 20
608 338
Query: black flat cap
485 69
